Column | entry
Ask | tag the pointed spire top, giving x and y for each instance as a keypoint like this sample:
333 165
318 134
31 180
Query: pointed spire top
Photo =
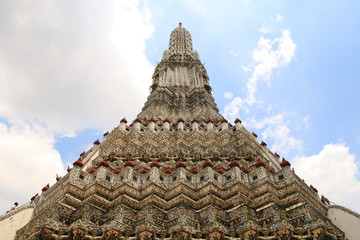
180 88
180 41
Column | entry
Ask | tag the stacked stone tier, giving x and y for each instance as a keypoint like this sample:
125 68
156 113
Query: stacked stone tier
180 171
164 140
225 204
235 190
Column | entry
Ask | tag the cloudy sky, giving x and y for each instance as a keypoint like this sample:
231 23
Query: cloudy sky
70 70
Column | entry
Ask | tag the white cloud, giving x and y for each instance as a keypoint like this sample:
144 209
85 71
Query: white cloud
279 18
234 53
333 172
70 134
74 66
266 29
283 142
228 95
270 26
306 122
232 109
28 162
246 69
269 54
275 129
267 58
274 120
64 67
286 49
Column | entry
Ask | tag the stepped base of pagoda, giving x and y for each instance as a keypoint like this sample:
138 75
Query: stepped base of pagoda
47 232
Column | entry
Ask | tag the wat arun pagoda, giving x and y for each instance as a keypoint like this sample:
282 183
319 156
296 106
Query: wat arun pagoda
180 171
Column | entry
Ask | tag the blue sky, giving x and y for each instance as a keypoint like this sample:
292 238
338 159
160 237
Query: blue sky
69 71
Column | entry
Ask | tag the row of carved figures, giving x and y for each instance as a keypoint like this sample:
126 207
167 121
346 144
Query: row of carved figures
319 233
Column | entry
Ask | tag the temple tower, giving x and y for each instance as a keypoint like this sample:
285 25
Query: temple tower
180 88
180 171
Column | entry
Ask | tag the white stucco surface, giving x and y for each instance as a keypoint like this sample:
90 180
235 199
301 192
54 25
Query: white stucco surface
11 222
347 220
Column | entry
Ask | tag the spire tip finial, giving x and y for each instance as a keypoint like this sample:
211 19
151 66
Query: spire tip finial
180 24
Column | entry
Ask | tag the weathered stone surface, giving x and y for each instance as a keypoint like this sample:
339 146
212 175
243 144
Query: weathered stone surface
180 171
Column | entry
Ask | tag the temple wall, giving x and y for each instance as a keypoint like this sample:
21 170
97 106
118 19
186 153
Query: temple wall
13 221
345 219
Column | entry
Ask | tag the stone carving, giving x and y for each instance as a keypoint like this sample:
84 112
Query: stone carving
180 171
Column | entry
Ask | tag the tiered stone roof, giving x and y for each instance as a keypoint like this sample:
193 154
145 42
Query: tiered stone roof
180 88
180 171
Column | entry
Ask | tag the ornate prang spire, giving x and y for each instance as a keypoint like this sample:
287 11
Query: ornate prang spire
179 171
180 42
180 88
